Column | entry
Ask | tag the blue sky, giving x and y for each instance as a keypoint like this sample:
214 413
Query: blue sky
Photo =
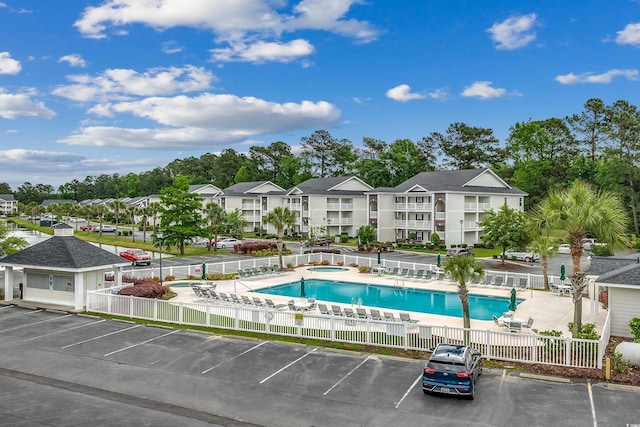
118 86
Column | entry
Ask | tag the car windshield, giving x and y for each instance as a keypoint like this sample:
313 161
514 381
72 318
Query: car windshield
138 252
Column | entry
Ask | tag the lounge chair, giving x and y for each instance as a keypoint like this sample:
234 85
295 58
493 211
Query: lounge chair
522 283
528 324
498 322
510 282
257 302
323 309
312 304
389 316
554 289
246 300
362 313
419 275
349 312
499 281
235 299
276 269
428 275
488 279
264 270
198 291
404 272
336 310
375 314
224 298
515 327
394 272
406 318
211 295
273 306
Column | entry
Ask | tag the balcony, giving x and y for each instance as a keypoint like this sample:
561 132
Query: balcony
441 216
248 206
414 207
373 214
413 224
477 207
295 206
339 221
252 218
339 206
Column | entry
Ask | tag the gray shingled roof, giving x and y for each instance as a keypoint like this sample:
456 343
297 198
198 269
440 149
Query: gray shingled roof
64 252
7 197
616 270
442 181
322 186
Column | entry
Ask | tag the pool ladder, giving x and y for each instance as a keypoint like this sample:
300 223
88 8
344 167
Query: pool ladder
398 284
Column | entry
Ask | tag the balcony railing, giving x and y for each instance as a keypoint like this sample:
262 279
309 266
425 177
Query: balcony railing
414 207
441 216
477 207
423 225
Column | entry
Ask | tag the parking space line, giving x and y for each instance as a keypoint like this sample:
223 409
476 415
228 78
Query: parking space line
36 323
101 336
238 355
346 376
409 390
141 343
593 408
8 306
65 330
286 366
21 314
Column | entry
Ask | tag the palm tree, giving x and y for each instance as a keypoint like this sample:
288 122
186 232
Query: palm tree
463 269
145 212
100 211
154 209
539 230
117 206
215 215
281 218
579 212
131 212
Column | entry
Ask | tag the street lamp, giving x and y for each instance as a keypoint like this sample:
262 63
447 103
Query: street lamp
461 232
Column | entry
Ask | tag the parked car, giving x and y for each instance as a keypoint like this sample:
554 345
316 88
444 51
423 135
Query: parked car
452 369
106 228
321 241
86 227
136 256
564 248
459 252
521 255
227 243
588 243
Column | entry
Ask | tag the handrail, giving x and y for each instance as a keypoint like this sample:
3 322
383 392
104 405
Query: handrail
243 284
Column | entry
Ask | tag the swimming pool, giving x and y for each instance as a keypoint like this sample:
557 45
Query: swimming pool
481 307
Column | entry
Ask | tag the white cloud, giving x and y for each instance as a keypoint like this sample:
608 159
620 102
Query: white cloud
122 84
171 47
484 90
402 93
75 60
630 35
606 77
14 105
203 121
264 51
240 25
514 32
440 94
9 65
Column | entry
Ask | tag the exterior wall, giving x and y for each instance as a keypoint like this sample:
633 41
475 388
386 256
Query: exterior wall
8 207
386 218
52 295
623 306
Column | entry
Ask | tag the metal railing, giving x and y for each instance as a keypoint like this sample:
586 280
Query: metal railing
507 346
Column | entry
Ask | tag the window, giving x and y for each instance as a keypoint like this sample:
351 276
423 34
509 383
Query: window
520 202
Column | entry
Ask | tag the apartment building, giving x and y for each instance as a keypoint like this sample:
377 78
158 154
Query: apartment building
254 199
8 205
449 203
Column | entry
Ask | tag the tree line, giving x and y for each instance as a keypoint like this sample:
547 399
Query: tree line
599 145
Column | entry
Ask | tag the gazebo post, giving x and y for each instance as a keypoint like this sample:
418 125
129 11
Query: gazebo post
8 283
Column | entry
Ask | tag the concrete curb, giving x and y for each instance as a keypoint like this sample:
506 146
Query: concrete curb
624 387
545 378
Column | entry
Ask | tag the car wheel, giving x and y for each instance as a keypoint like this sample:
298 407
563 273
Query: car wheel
473 391
527 259
426 391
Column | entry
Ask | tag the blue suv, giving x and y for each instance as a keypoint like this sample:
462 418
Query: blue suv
452 369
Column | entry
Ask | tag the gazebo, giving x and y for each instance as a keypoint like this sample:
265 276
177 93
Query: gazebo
61 269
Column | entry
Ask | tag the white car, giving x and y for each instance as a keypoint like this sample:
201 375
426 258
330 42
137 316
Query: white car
227 243
564 249
521 255
106 228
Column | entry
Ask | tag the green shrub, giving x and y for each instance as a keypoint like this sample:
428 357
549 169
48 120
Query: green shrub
618 364
553 345
442 247
364 269
344 238
634 324
601 250
588 331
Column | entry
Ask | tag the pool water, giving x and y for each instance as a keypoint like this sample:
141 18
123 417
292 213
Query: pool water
481 307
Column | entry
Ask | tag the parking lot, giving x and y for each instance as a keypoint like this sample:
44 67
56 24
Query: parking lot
60 369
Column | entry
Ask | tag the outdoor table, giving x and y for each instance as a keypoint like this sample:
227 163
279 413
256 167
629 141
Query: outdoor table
302 305
511 321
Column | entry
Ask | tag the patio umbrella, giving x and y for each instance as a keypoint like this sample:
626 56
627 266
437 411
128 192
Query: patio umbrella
303 294
562 277
379 254
438 262
204 271
513 304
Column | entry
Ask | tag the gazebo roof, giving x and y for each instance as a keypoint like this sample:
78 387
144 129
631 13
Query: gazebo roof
64 252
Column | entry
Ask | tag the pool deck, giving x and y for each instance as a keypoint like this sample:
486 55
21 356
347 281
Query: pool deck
549 311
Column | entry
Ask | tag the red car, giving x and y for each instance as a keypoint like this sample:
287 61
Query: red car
136 256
